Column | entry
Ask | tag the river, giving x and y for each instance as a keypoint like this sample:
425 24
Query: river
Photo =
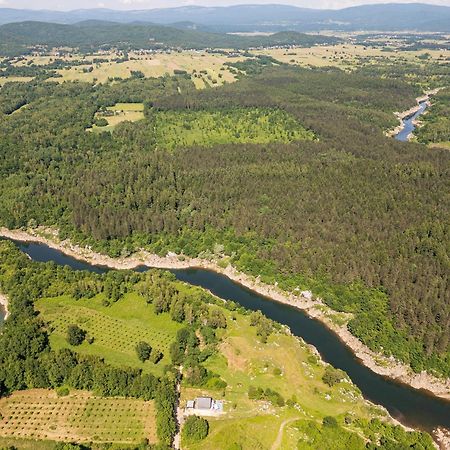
408 122
411 407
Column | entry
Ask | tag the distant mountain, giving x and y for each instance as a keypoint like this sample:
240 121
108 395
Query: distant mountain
387 17
91 35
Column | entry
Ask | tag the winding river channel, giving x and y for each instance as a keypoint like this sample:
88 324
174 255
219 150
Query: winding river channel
409 122
411 407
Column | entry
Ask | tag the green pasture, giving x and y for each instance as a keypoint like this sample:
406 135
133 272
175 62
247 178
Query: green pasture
116 329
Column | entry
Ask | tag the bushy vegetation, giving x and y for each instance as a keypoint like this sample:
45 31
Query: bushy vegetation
143 350
195 429
359 219
332 376
177 129
75 335
265 394
332 434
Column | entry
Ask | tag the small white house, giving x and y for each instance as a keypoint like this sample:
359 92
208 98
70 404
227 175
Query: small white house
206 406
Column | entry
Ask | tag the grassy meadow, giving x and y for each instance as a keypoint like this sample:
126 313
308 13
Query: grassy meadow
4 80
116 329
120 112
348 56
284 364
41 414
206 69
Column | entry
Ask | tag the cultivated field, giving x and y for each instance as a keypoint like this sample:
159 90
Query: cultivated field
116 329
4 80
80 416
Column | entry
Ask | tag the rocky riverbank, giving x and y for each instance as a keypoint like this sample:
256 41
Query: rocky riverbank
401 116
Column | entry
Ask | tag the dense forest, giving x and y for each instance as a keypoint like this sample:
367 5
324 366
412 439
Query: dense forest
358 218
436 122
90 36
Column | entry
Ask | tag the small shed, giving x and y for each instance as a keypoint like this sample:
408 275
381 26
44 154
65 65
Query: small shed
190 404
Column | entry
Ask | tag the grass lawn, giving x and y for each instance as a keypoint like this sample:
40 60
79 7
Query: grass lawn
445 145
116 329
241 125
80 416
284 364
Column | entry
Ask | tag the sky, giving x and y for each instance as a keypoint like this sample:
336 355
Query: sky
66 5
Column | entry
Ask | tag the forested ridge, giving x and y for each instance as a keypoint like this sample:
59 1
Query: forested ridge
359 218
91 36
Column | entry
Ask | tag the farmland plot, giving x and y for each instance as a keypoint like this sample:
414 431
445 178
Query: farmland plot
80 416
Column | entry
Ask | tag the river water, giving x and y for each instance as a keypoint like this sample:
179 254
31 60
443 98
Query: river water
410 406
408 123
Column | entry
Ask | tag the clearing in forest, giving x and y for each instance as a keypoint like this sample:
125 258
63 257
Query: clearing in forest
107 119
176 129
79 416
115 329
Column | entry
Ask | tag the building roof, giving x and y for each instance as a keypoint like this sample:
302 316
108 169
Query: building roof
203 402
190 404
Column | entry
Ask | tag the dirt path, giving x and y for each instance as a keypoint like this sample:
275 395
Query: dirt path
179 416
277 443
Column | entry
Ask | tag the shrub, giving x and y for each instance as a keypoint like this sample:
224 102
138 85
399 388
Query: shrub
143 350
329 421
156 356
75 335
332 376
195 429
62 391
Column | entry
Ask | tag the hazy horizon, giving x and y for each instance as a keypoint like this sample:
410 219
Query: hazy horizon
68 5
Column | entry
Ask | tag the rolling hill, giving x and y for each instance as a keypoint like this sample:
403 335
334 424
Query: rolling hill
391 16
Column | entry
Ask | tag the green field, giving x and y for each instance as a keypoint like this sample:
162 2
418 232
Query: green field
80 416
294 372
244 125
116 329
